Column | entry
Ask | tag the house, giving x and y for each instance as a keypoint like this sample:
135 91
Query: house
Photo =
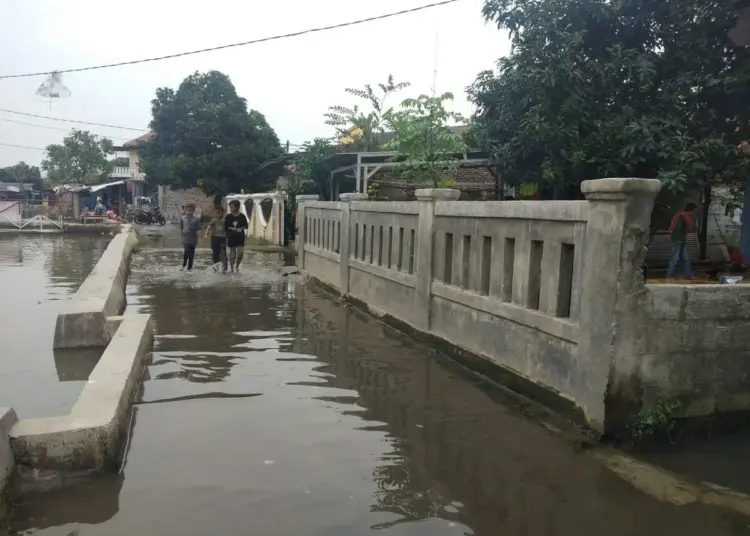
171 201
13 190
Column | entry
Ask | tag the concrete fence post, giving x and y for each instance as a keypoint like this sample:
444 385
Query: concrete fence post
345 239
617 233
302 227
426 197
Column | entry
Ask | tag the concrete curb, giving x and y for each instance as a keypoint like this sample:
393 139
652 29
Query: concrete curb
669 487
83 324
7 420
89 437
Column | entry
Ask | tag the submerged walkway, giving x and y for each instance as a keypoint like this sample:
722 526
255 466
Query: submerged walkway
272 410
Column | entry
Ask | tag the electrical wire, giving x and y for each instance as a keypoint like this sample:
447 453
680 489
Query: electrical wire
73 121
55 128
21 147
234 45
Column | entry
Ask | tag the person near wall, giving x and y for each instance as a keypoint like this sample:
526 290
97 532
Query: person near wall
217 230
682 223
190 226
236 224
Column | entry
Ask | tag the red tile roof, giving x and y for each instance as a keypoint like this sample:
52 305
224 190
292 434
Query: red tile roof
140 140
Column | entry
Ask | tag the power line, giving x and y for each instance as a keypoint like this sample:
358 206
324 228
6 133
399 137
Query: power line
234 45
21 147
55 128
73 121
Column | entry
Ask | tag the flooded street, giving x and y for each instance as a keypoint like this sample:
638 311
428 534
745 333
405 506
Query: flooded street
38 274
270 409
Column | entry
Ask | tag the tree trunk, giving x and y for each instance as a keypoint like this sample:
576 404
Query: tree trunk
705 213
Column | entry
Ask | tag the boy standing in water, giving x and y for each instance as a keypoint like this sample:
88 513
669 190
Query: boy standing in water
236 225
218 231
189 228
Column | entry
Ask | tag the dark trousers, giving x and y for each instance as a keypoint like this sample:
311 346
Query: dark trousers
219 250
188 255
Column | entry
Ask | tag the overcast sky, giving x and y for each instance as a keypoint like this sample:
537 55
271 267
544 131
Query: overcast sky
291 81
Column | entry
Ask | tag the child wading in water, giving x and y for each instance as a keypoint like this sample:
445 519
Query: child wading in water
236 225
217 229
189 228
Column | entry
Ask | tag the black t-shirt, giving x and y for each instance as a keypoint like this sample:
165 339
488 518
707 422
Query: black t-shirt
235 222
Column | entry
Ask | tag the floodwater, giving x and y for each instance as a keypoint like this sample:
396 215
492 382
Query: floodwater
38 273
269 409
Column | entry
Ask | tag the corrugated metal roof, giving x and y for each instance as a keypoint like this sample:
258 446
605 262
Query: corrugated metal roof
98 187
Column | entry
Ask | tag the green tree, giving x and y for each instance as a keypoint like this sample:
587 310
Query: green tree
82 158
594 88
22 173
371 124
206 137
427 146
313 176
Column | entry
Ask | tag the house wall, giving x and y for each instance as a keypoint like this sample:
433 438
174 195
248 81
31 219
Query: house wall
474 182
548 291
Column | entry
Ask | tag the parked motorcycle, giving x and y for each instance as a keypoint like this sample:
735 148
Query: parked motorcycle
147 217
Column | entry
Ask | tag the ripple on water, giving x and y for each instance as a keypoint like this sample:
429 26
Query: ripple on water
342 428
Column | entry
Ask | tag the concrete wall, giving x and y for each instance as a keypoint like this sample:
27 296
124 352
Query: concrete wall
697 347
83 323
7 462
91 436
270 230
172 202
549 291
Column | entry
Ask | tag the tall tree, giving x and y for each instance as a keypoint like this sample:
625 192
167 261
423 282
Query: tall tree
82 158
206 137
22 173
594 88
370 125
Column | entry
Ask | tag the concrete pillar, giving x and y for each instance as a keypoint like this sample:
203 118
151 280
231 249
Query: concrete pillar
346 238
302 228
617 233
426 198
7 463
76 205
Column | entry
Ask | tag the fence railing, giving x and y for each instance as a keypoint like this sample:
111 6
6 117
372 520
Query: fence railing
22 214
538 287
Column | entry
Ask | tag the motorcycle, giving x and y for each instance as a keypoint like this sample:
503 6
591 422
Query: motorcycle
147 217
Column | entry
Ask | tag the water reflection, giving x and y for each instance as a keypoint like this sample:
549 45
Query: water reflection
38 274
271 410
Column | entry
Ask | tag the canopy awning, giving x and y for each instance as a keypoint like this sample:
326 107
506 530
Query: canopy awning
99 187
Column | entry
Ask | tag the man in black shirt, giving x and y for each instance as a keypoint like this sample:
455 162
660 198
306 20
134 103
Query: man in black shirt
236 225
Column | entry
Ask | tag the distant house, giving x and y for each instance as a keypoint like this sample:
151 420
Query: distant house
13 190
171 201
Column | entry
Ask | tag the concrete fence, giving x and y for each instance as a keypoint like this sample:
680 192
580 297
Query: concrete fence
265 215
549 291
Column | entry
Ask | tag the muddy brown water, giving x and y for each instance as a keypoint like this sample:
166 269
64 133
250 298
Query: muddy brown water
38 274
269 409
